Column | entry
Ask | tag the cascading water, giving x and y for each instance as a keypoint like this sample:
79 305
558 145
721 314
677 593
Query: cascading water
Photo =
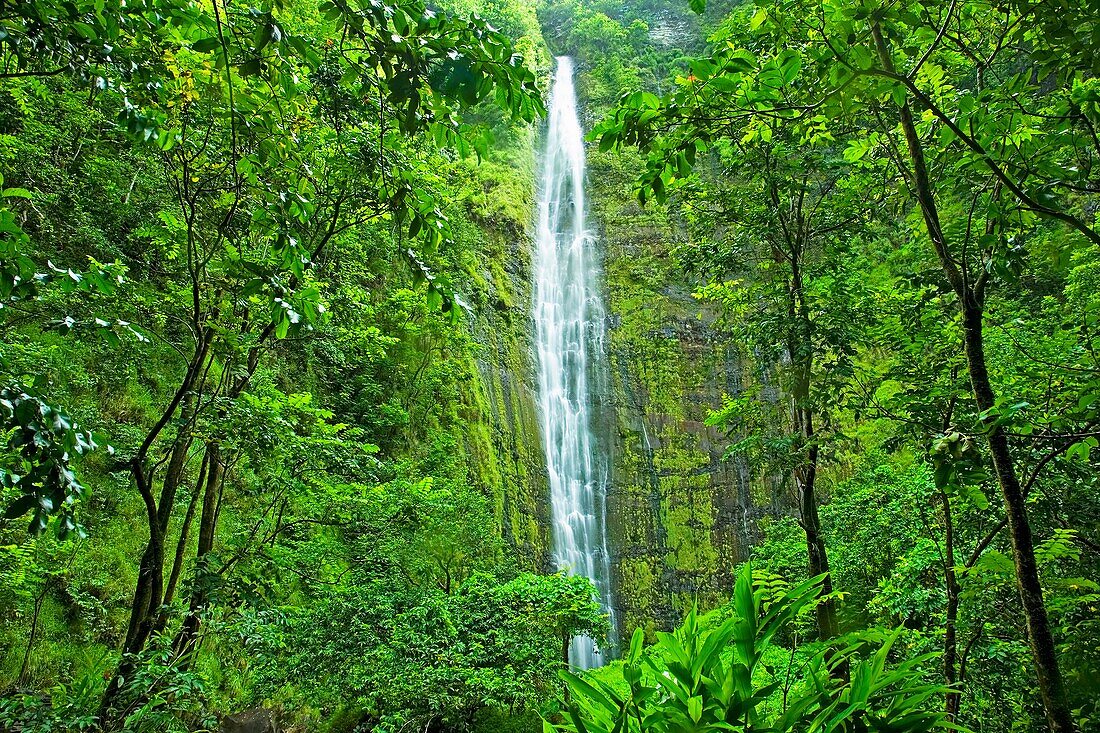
569 333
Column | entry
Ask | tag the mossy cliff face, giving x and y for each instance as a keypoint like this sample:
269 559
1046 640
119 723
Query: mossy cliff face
500 420
504 435
499 415
679 515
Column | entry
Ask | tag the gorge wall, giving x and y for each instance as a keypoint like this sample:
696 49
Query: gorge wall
680 516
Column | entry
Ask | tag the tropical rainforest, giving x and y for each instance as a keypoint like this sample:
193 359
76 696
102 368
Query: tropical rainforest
272 454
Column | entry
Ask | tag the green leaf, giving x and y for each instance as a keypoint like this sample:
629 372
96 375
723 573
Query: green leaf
20 506
206 45
637 641
724 84
695 708
790 66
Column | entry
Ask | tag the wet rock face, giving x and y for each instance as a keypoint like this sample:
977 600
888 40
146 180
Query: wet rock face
680 514
256 720
503 432
681 517
669 29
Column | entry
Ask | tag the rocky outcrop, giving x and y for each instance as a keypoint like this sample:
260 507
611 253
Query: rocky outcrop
256 720
504 435
681 517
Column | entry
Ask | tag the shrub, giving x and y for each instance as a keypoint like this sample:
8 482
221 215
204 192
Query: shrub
700 679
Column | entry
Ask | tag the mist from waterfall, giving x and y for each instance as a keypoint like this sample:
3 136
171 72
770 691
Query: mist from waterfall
569 333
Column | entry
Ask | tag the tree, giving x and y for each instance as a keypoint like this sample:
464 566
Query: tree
281 199
391 642
775 225
257 197
1004 136
779 266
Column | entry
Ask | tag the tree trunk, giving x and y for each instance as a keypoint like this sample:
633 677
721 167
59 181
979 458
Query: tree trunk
800 350
818 558
950 637
181 544
185 640
148 592
39 599
1023 551
150 586
566 640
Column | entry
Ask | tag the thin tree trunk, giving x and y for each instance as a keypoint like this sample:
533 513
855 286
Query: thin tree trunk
33 636
800 348
148 592
818 558
185 640
1041 639
148 595
1027 572
185 534
953 698
566 639
952 675
188 633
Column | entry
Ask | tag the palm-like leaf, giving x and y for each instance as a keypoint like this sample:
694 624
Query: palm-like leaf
701 680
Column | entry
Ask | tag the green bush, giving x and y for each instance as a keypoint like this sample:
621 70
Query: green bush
700 679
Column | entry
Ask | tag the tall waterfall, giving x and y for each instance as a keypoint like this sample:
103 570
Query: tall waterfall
569 332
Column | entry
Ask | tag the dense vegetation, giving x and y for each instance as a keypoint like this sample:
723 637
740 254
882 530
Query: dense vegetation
263 293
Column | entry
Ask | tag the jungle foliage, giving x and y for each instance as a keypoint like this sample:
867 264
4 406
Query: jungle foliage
893 206
249 256
235 372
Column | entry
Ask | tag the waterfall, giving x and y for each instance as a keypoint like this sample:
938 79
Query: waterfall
569 334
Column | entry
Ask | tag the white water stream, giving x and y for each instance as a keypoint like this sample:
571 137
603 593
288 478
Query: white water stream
569 333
